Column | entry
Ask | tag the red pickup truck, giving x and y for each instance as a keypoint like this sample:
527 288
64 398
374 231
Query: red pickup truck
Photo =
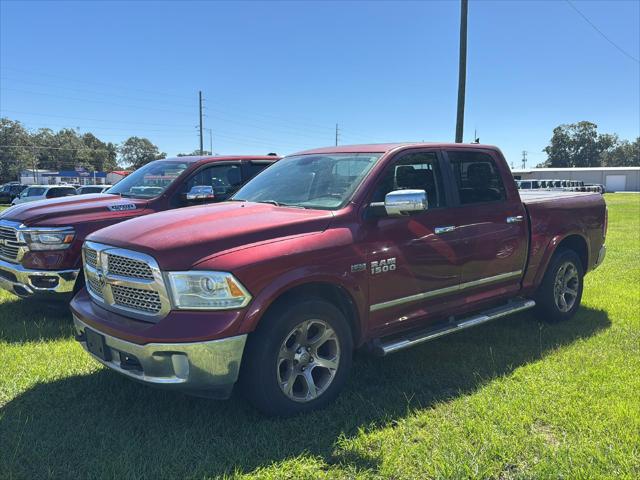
374 246
40 242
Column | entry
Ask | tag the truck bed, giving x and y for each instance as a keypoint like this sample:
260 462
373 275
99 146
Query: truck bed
554 215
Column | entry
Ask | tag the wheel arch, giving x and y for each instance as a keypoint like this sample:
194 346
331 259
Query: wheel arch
572 241
331 292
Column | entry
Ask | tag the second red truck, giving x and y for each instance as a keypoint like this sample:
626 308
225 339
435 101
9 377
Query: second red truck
374 246
40 242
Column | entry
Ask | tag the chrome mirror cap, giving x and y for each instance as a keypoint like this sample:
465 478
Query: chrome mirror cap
400 202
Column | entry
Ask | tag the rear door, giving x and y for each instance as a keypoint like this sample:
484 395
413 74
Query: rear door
491 223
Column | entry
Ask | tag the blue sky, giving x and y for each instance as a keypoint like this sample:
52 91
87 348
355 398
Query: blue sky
278 76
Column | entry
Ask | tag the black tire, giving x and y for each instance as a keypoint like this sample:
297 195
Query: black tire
549 305
263 367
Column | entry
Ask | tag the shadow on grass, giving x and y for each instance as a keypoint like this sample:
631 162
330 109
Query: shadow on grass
34 319
103 425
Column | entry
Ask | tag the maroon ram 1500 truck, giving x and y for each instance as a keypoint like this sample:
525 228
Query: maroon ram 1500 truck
376 246
40 242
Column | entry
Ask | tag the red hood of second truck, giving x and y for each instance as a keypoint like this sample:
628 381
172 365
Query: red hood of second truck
73 210
179 239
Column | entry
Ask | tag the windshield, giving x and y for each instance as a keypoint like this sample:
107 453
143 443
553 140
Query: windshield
310 181
149 181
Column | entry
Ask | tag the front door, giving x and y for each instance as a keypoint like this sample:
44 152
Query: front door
410 265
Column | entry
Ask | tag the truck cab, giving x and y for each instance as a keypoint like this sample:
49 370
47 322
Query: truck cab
41 241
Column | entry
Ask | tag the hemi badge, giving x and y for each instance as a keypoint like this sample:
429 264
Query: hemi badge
358 267
122 207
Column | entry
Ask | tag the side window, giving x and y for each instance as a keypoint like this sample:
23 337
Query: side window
255 168
34 192
223 178
477 177
417 171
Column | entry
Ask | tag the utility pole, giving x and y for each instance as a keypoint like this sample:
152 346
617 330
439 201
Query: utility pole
35 180
337 134
462 69
210 140
524 159
200 105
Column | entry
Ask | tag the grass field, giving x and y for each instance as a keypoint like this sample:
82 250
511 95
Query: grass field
508 400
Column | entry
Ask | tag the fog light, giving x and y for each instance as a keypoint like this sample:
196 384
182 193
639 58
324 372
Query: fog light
44 281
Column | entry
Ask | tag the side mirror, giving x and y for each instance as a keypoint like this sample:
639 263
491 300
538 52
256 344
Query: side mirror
200 192
400 202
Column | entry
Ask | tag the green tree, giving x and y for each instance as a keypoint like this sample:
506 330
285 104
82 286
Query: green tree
578 145
625 154
16 153
136 152
195 153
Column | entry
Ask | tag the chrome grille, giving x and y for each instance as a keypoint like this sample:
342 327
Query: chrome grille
9 245
136 298
95 287
7 233
91 257
128 267
125 281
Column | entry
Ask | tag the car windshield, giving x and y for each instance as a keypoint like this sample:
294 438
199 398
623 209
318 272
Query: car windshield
324 181
149 181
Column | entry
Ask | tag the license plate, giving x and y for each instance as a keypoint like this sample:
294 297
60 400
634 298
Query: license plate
97 345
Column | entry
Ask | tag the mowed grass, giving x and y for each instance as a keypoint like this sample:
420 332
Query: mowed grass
512 399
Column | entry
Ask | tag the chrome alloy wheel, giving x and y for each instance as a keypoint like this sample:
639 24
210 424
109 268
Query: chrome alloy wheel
308 360
566 286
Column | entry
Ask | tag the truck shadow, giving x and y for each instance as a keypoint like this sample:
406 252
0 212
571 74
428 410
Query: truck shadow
105 425
32 320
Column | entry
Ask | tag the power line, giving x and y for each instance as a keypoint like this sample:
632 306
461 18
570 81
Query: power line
586 19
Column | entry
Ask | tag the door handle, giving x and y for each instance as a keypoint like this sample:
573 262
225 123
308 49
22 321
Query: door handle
441 230
516 219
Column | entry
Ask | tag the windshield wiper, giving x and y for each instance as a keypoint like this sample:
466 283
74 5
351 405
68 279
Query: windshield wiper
280 204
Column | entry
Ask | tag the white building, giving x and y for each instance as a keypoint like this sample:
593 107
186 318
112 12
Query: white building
615 179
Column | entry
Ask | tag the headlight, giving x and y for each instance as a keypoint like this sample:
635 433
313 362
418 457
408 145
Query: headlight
207 291
48 238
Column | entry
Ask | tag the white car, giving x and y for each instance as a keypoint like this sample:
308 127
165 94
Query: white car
92 189
43 192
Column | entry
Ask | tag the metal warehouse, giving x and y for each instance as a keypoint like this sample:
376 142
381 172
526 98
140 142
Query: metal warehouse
615 179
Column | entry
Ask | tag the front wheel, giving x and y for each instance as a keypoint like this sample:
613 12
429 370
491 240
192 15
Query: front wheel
559 295
298 359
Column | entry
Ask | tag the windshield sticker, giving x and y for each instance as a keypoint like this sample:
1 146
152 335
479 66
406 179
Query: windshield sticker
122 207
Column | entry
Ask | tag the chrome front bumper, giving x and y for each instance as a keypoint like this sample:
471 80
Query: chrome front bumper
203 368
26 283
601 254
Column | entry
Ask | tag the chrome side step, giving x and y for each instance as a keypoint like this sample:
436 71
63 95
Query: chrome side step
415 338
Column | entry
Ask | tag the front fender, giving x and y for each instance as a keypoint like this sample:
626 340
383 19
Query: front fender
298 278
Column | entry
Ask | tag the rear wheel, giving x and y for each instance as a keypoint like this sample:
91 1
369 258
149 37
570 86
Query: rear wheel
298 359
559 295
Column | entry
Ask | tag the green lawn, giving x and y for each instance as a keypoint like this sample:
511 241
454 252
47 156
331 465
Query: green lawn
512 399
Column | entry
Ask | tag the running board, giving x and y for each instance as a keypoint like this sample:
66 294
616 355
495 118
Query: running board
415 338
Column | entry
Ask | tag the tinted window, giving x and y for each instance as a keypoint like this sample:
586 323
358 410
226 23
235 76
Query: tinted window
35 192
223 178
414 171
256 167
60 192
83 190
477 177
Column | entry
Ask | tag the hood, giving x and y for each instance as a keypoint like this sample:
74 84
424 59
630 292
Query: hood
179 239
74 209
